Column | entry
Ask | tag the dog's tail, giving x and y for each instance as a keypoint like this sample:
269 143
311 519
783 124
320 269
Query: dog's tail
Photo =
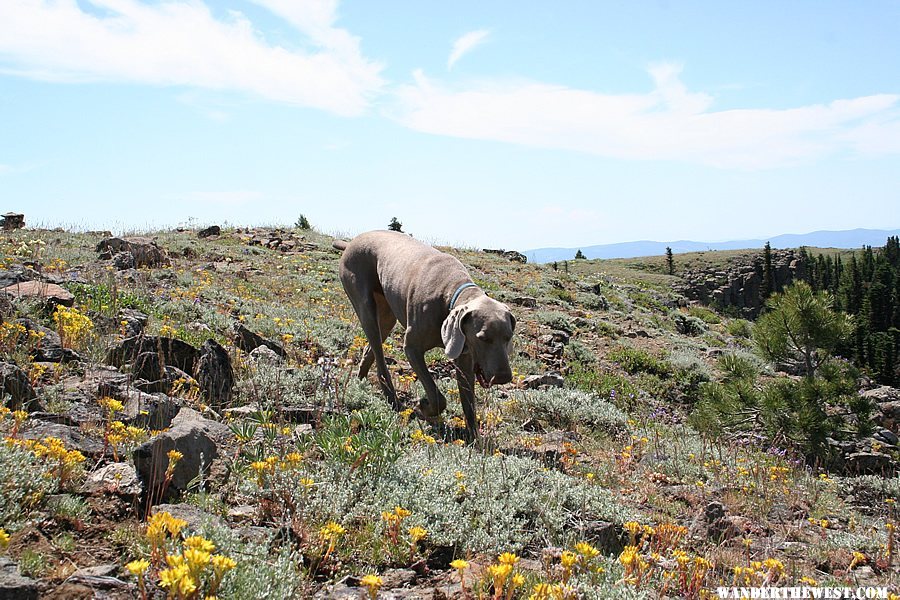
339 245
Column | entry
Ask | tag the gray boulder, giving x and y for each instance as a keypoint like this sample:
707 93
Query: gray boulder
14 383
196 437
14 586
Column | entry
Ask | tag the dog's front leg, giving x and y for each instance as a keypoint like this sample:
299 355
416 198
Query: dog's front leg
434 402
465 381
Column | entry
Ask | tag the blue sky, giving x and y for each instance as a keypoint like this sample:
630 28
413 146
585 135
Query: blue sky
503 124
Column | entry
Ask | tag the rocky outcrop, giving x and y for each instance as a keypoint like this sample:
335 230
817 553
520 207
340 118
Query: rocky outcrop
209 231
510 255
13 585
144 251
11 221
283 240
739 284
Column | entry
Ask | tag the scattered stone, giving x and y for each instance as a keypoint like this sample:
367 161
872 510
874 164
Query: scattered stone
114 478
14 586
215 374
11 220
887 436
209 231
524 301
104 380
192 435
712 524
153 411
106 570
265 355
132 321
145 251
14 382
247 341
242 513
533 382
606 537
870 463
49 293
123 261
171 377
276 239
148 366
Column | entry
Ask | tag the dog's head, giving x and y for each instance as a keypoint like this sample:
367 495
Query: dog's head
486 327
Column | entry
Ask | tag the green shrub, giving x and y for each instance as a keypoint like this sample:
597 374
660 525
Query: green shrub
556 320
635 360
507 503
736 366
604 384
569 408
740 328
578 352
688 325
704 314
24 482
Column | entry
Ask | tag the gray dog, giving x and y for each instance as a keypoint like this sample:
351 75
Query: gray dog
391 277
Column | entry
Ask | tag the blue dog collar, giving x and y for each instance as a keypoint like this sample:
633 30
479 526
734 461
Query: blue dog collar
459 291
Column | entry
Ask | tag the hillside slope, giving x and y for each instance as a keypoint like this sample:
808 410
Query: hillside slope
238 351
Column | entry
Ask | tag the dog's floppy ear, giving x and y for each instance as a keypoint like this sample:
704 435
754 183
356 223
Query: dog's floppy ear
452 333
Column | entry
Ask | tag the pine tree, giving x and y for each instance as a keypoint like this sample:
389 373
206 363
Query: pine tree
850 290
579 255
395 225
670 261
801 328
768 275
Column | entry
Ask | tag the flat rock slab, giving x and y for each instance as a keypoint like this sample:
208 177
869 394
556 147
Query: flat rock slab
72 437
40 290
114 478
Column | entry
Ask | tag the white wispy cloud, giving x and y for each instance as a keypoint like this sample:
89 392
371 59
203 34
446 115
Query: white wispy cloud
182 43
669 122
465 43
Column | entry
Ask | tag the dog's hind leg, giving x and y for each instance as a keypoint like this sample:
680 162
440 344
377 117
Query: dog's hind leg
367 310
386 322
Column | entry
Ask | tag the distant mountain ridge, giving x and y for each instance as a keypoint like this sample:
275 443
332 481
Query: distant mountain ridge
853 238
